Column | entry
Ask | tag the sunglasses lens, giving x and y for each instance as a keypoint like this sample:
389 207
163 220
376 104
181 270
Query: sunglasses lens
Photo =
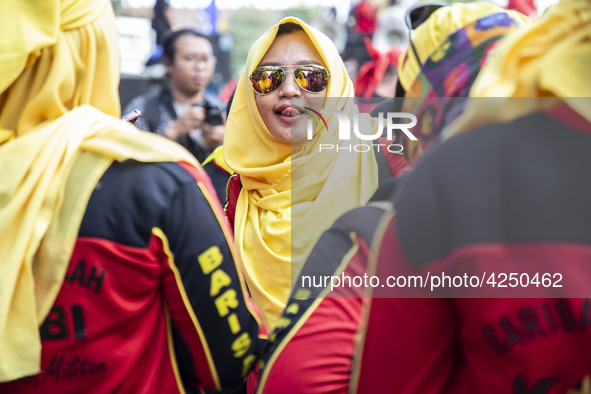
267 79
311 78
421 14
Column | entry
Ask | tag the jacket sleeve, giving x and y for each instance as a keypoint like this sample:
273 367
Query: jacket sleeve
214 331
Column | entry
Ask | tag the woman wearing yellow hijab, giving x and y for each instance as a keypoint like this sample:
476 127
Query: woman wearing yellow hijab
291 189
99 226
315 348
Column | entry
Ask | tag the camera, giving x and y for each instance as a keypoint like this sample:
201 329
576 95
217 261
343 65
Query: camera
213 115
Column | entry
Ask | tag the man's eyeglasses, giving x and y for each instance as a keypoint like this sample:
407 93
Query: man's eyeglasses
415 16
311 78
193 61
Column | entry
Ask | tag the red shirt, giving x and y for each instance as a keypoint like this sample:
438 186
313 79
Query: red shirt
497 200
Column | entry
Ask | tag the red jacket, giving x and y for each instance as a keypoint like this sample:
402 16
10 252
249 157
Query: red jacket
151 302
502 200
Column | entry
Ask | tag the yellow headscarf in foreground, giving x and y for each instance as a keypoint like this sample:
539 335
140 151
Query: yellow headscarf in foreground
548 59
303 192
59 132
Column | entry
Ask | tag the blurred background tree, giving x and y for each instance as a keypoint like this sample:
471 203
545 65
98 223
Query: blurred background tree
116 5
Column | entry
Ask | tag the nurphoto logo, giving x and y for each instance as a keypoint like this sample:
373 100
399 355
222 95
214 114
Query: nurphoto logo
390 120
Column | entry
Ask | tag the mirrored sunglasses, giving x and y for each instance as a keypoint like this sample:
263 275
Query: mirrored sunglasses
311 78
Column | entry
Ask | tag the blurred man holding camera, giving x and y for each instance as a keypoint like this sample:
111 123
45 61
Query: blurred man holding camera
183 111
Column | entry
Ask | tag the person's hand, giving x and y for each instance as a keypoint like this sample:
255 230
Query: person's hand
192 119
213 135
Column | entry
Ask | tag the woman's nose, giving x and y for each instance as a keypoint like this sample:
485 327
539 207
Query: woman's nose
289 87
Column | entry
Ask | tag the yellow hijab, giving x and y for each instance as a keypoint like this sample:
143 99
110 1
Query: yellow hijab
549 59
288 200
59 131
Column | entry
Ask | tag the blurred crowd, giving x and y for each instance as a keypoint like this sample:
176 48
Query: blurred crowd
369 40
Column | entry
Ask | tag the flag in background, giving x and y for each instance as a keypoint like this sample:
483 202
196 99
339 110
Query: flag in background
212 13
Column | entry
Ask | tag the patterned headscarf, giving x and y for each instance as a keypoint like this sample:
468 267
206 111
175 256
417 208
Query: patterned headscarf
437 94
